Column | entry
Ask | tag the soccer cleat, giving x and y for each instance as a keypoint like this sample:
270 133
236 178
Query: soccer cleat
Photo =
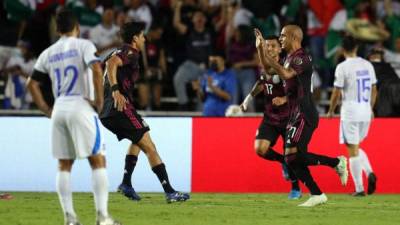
315 200
129 192
176 197
341 170
107 221
294 194
71 220
371 183
285 172
358 194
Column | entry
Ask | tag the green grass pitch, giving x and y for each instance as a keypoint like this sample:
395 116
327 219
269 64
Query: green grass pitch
213 209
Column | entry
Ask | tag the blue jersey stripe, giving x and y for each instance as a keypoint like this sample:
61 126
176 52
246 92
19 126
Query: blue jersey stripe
96 146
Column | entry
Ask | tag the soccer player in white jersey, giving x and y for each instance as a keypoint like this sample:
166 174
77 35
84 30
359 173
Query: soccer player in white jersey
75 126
355 83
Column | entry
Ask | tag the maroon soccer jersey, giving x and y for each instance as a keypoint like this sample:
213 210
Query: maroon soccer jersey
298 89
127 74
273 87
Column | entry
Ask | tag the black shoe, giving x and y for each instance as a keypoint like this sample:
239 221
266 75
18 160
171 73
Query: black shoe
358 194
371 183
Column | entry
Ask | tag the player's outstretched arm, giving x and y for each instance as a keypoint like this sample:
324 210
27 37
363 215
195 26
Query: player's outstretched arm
257 88
34 88
335 97
112 65
98 86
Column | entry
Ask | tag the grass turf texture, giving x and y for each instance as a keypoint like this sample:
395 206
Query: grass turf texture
231 209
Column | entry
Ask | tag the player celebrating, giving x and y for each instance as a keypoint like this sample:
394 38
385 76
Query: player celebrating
276 113
355 80
74 121
303 116
120 116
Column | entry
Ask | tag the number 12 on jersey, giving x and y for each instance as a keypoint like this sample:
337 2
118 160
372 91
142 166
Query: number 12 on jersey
69 70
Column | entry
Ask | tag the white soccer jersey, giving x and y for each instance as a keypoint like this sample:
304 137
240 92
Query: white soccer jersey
355 76
67 62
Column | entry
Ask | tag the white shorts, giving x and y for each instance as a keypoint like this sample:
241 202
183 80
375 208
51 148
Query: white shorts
353 132
76 130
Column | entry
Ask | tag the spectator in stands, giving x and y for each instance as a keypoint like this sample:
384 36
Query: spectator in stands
199 45
393 57
388 85
216 88
154 69
105 35
242 56
18 68
140 11
89 15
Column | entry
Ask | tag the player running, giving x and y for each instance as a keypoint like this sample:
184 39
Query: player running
355 80
303 116
120 116
276 113
75 130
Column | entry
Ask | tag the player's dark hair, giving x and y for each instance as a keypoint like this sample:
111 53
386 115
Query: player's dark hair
131 29
273 37
349 43
66 21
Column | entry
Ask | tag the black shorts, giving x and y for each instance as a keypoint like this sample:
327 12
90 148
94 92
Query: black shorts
270 132
127 124
298 134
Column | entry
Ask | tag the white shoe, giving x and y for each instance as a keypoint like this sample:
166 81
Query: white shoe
341 170
106 221
71 220
315 200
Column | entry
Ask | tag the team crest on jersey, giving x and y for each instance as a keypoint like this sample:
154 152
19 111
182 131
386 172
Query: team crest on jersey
297 61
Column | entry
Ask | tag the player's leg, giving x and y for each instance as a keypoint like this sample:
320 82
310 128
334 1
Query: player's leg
266 137
64 191
158 167
298 135
100 189
126 186
63 150
350 136
366 165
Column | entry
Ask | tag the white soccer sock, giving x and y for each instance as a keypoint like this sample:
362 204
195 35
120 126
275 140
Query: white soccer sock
100 191
356 172
365 162
63 186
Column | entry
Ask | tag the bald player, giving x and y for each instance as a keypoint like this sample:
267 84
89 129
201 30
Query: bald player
303 117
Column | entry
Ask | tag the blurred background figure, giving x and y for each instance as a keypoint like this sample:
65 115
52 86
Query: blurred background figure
216 88
105 34
18 69
154 68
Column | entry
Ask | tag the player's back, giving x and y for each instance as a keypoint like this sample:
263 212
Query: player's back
67 62
355 76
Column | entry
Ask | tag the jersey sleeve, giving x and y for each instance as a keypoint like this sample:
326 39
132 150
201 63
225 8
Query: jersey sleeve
339 77
89 53
41 63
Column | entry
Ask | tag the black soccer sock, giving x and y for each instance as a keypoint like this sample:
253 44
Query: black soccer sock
272 155
130 163
293 179
314 160
297 163
162 175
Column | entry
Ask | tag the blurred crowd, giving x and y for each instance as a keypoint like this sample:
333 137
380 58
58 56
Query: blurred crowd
190 42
